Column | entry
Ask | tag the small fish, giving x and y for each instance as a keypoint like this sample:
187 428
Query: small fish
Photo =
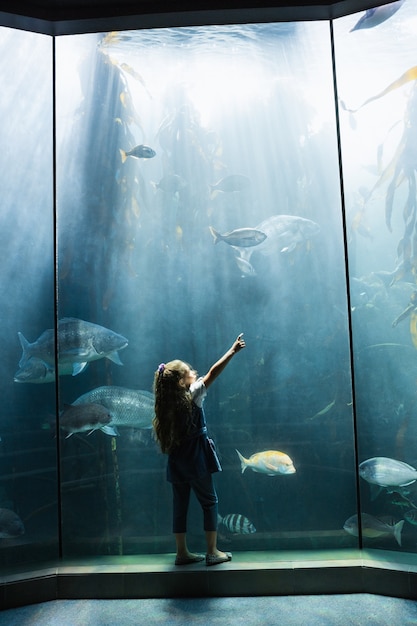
86 418
229 184
79 343
398 498
241 237
270 462
171 183
10 524
237 524
326 409
245 267
138 152
387 472
374 17
373 527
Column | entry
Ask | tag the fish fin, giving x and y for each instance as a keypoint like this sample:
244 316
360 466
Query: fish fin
123 155
114 356
68 436
243 461
397 531
271 467
25 345
77 368
23 341
215 234
110 430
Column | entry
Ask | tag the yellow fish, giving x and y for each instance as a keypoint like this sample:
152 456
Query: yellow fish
270 462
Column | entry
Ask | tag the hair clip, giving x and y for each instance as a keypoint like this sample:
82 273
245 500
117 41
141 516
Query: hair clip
161 368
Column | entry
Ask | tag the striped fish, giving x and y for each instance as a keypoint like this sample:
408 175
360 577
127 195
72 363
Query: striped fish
238 524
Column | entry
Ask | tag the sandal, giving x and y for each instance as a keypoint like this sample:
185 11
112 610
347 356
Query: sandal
187 560
214 559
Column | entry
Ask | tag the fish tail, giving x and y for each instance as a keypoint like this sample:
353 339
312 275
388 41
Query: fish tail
123 155
397 531
243 461
215 234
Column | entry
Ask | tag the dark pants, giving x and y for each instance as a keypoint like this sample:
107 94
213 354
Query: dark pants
206 495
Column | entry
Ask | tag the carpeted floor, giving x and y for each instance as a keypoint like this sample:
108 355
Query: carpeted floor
327 610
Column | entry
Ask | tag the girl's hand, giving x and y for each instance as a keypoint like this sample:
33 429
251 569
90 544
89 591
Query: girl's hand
239 344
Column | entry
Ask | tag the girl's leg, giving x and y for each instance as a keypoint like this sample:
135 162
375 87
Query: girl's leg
205 492
211 540
181 543
181 498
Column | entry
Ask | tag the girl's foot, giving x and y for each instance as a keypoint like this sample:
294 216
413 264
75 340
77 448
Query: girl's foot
218 557
187 559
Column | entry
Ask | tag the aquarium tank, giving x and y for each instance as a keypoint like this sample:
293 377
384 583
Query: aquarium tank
164 190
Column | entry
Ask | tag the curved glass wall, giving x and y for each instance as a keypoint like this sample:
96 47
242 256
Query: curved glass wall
377 91
168 143
28 485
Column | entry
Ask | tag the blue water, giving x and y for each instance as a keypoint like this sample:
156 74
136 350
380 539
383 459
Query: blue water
134 254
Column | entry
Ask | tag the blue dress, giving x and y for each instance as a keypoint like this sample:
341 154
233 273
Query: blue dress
192 458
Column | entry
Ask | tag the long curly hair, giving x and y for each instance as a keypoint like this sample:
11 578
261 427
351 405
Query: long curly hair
173 410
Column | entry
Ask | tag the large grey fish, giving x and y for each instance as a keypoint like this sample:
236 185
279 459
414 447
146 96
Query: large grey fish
36 371
240 237
171 183
373 527
127 407
283 234
86 417
10 524
79 342
236 523
386 472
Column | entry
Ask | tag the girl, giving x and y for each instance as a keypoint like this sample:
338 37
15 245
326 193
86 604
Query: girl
180 428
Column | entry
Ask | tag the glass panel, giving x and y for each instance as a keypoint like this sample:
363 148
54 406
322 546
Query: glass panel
378 96
171 141
28 487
